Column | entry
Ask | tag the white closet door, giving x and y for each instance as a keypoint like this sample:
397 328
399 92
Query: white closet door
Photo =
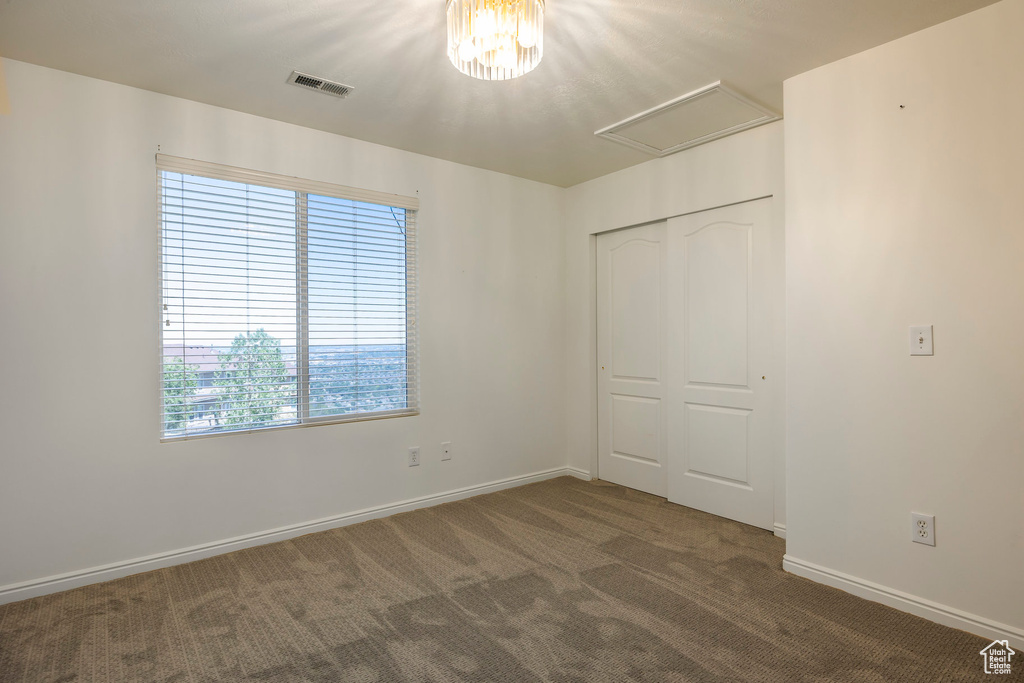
631 353
721 404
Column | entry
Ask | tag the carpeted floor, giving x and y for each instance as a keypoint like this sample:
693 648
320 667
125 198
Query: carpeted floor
563 580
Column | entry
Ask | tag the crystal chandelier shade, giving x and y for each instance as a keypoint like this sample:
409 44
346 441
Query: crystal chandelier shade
495 40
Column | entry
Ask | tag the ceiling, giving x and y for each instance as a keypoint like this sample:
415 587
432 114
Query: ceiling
604 60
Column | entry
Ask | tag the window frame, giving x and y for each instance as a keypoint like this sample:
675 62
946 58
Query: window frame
302 188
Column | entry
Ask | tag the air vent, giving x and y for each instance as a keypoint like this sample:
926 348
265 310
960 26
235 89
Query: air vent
321 84
706 114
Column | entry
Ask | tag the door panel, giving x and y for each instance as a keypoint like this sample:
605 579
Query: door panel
636 427
635 281
717 260
719 403
716 441
631 358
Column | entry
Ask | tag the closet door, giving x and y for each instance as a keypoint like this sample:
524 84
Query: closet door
631 353
722 400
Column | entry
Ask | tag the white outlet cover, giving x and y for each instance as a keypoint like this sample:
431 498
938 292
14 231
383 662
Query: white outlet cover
414 456
446 450
922 529
921 341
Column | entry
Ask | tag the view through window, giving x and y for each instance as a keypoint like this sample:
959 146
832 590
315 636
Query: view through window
282 306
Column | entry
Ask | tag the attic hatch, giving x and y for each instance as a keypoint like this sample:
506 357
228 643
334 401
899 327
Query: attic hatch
706 114
320 84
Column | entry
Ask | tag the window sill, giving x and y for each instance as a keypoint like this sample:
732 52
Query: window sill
310 422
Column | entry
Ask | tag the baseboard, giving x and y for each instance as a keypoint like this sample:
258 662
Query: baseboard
578 473
933 611
62 582
780 530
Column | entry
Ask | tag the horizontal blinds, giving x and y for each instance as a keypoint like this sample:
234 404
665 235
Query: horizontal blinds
282 306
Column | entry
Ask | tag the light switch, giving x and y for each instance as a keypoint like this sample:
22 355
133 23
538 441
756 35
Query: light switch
921 341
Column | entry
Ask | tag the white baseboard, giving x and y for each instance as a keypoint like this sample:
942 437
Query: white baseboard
578 473
780 530
933 611
62 582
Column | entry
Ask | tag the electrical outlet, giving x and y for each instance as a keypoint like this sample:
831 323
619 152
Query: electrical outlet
446 450
414 456
922 528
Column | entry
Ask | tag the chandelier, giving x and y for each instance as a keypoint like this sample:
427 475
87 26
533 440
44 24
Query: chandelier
495 40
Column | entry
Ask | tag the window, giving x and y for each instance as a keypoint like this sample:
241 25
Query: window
283 302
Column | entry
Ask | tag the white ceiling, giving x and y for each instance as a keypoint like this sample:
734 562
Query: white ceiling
604 60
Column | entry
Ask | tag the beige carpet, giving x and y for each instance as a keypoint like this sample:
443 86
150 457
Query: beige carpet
563 580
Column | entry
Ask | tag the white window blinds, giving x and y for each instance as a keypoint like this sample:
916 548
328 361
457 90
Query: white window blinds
283 302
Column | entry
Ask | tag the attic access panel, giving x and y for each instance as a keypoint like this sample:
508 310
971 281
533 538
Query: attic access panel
706 114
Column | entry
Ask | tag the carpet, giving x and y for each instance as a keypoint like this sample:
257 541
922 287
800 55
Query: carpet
562 580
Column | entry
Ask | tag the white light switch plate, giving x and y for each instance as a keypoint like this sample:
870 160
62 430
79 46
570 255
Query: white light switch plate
921 341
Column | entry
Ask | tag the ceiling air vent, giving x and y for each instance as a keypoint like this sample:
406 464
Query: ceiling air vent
321 84
703 115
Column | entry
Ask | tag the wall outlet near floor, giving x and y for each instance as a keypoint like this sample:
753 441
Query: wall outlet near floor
414 456
446 450
922 528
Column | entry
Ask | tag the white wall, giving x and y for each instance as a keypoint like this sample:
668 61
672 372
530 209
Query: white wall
900 217
745 166
84 480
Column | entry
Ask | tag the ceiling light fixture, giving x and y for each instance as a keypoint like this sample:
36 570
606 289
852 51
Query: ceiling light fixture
495 40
